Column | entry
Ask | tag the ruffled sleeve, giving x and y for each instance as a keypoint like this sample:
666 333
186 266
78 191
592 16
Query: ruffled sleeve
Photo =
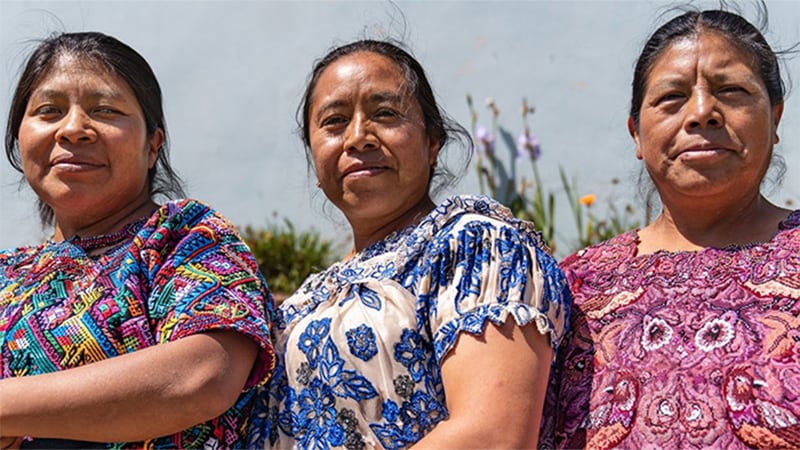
203 277
485 270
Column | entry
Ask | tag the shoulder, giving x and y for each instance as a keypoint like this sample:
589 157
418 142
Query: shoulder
185 210
185 215
479 231
789 228
617 250
482 217
188 225
12 259
11 254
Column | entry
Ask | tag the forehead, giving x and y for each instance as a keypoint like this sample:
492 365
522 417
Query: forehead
358 71
69 70
707 51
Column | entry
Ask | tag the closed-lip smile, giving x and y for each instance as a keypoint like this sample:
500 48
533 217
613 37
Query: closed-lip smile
363 167
701 150
74 161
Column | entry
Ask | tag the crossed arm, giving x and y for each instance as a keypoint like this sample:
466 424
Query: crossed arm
152 392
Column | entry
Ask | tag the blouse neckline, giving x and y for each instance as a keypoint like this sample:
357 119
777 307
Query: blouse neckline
631 241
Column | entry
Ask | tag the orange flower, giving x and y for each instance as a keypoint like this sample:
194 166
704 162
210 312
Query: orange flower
587 200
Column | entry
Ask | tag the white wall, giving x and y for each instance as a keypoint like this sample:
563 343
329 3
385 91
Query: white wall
233 72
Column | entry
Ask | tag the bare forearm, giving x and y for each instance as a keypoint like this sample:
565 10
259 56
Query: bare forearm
152 392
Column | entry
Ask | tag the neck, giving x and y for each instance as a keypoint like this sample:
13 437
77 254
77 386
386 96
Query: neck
66 227
702 226
376 229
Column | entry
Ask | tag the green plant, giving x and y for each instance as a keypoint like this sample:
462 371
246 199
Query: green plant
596 230
501 178
286 256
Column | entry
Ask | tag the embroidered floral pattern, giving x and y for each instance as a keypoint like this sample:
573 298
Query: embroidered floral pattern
466 263
361 341
715 333
656 334
704 337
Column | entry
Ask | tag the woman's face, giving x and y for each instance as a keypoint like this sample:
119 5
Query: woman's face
371 152
706 127
83 141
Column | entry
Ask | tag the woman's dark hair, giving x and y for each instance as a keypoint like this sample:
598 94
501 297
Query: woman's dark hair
737 29
121 60
437 122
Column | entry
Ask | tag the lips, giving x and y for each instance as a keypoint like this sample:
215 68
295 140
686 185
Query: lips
701 151
74 162
364 169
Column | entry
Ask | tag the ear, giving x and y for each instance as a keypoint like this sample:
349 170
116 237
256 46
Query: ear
154 145
433 150
635 135
777 112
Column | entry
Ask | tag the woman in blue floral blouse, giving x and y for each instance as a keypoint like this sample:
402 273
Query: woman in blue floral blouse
440 326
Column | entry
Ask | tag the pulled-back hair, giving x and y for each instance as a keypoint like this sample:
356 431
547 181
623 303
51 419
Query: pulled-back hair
437 123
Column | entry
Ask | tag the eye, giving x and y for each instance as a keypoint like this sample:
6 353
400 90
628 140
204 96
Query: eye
386 112
732 90
333 121
387 116
670 97
107 111
47 111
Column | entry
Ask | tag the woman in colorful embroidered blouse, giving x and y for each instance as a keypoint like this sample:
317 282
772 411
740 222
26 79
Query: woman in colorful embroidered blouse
438 329
137 324
686 331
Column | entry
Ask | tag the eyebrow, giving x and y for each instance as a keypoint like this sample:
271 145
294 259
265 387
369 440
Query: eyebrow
54 93
378 97
720 77
667 82
727 77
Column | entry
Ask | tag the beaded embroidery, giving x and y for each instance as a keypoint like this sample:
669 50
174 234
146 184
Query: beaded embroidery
107 240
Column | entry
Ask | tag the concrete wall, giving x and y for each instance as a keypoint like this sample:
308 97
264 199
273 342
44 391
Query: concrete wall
233 72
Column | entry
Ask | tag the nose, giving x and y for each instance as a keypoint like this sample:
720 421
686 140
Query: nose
702 112
76 127
359 136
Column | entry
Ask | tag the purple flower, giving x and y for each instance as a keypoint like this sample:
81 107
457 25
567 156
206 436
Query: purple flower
484 136
528 145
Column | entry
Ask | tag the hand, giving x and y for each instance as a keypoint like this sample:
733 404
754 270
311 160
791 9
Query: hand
10 442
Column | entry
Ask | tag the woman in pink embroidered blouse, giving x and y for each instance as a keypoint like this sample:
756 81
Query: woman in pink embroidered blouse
686 332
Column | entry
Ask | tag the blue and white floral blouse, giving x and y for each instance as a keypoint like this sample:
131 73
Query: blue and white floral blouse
360 345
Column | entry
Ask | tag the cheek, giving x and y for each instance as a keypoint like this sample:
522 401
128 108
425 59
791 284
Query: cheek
656 138
26 136
417 167
322 163
325 154
28 146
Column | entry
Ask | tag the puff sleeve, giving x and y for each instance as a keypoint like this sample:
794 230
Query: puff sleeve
483 269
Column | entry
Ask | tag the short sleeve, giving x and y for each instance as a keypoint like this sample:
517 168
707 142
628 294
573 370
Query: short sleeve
487 270
205 278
